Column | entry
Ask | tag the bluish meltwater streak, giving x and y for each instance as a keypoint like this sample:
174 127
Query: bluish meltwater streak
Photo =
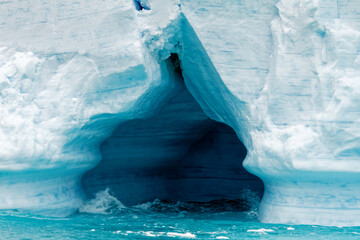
106 218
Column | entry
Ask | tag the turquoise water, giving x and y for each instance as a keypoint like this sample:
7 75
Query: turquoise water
160 225
106 218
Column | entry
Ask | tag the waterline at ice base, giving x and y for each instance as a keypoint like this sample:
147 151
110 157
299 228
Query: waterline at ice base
203 106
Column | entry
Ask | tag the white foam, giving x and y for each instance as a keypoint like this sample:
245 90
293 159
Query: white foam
145 206
103 203
261 230
150 234
181 235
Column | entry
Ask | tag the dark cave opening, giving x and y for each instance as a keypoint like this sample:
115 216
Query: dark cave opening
140 5
178 154
175 62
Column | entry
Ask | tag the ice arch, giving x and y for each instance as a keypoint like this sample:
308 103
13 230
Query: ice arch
59 101
178 153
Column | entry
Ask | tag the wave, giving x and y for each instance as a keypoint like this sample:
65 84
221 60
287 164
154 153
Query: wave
220 205
103 203
106 203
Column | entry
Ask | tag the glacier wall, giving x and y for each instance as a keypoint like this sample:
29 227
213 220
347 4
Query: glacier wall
282 74
293 63
61 95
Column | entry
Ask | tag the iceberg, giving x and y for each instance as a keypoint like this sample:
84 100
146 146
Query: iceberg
164 98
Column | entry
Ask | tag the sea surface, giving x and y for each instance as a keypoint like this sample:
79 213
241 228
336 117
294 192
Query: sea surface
106 218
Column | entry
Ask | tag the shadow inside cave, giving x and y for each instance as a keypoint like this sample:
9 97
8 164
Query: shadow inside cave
178 154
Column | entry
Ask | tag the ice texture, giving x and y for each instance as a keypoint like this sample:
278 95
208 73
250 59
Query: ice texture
283 74
294 66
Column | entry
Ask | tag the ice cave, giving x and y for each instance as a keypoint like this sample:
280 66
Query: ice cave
182 100
175 154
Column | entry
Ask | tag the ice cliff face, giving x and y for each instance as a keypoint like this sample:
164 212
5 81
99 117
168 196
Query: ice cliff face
282 74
